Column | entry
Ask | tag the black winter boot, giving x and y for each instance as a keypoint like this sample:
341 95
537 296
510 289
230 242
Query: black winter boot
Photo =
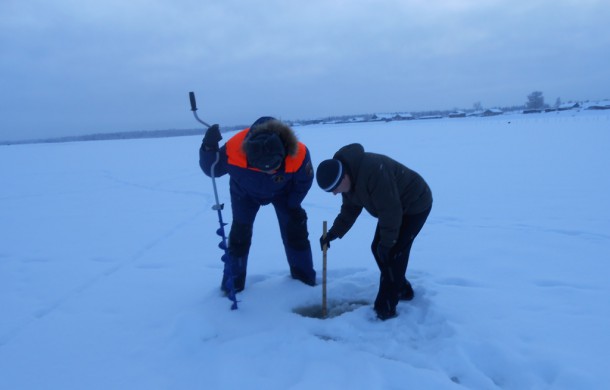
239 283
406 293
309 278
384 310
387 299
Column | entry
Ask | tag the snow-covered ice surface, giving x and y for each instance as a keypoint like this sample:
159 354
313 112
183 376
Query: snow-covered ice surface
110 270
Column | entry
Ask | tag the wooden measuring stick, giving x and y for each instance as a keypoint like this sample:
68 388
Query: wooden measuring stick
324 249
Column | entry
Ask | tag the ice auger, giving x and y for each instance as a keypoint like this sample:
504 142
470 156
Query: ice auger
226 257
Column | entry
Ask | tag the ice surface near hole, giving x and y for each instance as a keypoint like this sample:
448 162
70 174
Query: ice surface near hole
334 309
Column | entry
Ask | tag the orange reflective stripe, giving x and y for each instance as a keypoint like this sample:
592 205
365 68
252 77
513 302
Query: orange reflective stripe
293 163
235 153
237 157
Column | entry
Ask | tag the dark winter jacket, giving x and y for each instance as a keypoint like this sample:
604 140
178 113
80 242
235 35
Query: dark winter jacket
384 187
292 180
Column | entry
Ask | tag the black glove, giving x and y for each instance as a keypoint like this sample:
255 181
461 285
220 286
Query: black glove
326 240
211 138
383 254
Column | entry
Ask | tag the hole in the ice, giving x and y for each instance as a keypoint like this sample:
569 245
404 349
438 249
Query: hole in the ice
333 309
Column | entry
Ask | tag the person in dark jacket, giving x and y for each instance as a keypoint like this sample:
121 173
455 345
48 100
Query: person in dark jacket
397 196
267 165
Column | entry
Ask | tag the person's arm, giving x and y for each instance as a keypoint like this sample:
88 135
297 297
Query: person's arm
302 180
209 152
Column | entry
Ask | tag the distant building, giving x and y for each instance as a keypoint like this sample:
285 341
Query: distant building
382 117
531 111
492 112
457 114
603 105
568 106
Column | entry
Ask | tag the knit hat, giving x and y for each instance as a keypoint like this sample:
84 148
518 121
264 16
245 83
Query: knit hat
264 150
329 174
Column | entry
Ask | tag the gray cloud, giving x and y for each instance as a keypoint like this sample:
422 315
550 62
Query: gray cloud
82 67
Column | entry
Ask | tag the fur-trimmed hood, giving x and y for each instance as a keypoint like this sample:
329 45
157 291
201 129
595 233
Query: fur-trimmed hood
272 125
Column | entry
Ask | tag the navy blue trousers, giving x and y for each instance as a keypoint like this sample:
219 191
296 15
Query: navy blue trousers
294 234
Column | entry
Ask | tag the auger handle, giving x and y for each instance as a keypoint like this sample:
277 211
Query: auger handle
194 109
193 101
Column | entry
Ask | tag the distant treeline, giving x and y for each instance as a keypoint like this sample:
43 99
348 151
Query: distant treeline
535 105
120 135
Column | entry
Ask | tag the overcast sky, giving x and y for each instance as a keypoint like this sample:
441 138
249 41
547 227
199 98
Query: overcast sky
86 66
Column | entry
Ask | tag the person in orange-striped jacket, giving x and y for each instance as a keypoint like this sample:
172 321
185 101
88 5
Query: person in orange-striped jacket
267 165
